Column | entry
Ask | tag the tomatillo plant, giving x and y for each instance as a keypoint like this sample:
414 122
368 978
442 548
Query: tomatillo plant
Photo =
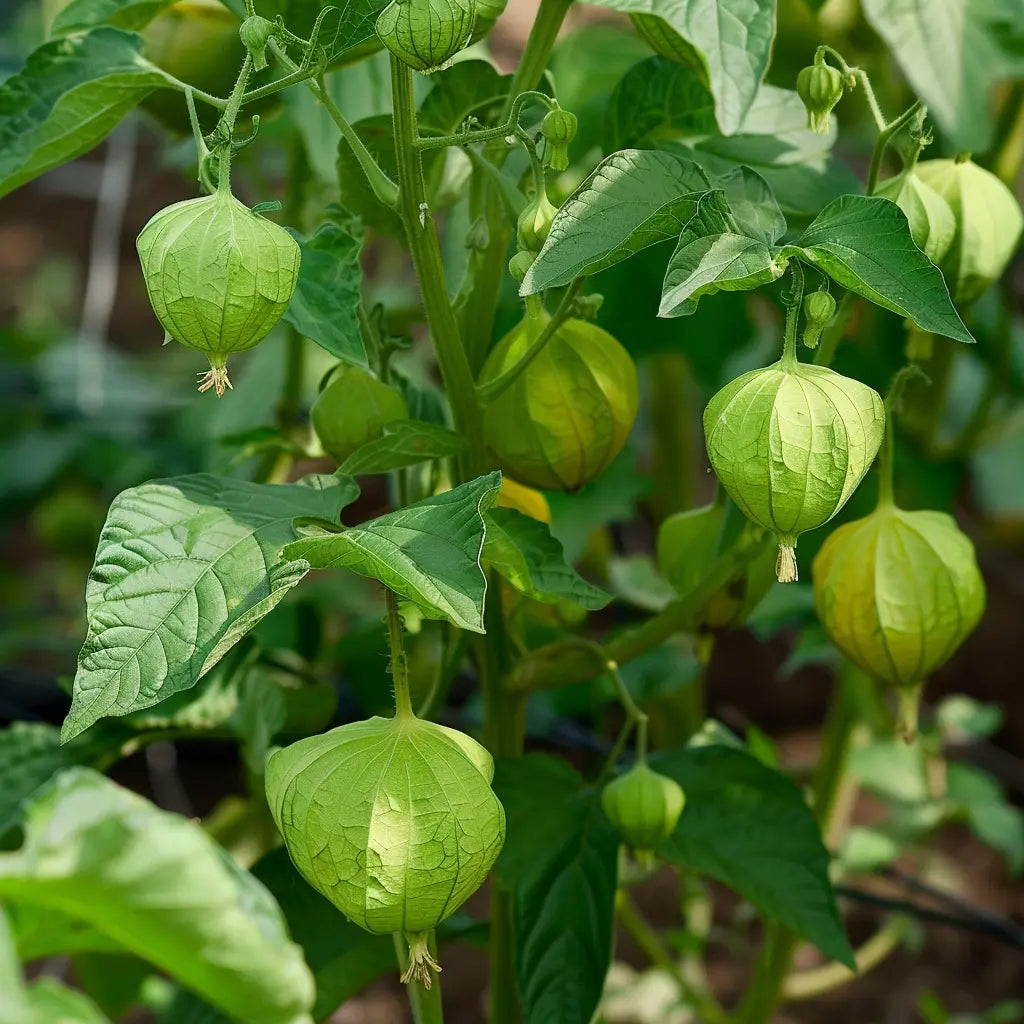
476 409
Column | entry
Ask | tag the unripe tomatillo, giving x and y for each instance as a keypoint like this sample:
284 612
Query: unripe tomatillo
644 806
255 32
931 220
426 34
898 592
219 276
393 820
988 224
535 222
559 129
790 443
567 415
819 308
352 410
820 86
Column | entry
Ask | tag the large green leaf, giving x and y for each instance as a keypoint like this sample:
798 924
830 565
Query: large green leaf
404 443
730 42
30 755
344 959
53 1003
727 246
751 828
128 14
68 97
325 304
775 141
158 885
184 568
14 1007
523 551
953 52
428 552
633 199
561 862
864 243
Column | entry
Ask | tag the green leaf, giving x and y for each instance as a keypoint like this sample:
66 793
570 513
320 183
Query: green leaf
30 755
774 140
633 199
347 31
126 14
428 552
405 443
864 243
158 885
561 862
68 97
953 52
716 254
730 41
751 828
655 98
324 306
53 1003
523 551
14 1006
470 87
344 959
184 568
991 817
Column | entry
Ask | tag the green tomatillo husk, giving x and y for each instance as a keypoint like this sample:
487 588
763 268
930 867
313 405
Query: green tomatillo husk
644 806
426 34
391 819
790 443
219 276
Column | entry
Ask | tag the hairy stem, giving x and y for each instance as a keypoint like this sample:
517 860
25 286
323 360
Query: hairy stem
426 257
399 667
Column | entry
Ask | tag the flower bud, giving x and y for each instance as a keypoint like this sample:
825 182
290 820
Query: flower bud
819 308
255 32
567 415
644 806
352 410
393 820
426 34
520 264
988 224
930 217
790 443
686 548
898 592
535 222
820 86
219 276
559 129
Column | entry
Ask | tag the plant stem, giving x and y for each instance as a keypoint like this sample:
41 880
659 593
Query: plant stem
641 932
885 136
537 52
501 131
670 380
816 982
561 664
399 667
425 1003
490 390
426 256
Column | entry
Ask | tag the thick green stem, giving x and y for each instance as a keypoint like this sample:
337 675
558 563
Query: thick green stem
399 667
537 52
670 381
561 664
421 234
